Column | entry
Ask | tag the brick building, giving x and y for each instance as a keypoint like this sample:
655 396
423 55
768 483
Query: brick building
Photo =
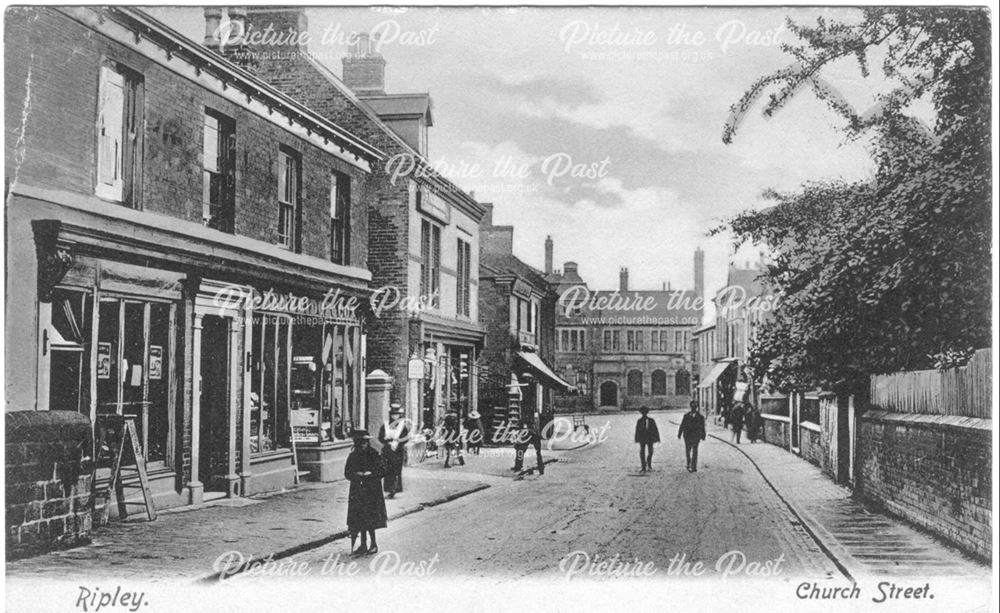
186 245
517 307
423 246
626 348
703 348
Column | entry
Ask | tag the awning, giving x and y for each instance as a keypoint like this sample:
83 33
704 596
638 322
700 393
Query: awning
542 371
716 372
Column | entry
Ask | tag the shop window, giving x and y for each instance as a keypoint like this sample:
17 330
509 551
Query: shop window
133 367
288 199
634 383
658 383
324 389
269 384
463 289
66 344
340 218
119 134
430 262
218 208
682 383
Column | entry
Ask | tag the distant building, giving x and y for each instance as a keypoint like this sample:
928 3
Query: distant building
517 307
702 357
625 348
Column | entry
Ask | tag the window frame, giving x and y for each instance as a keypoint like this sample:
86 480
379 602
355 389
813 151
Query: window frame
225 169
127 167
340 218
289 211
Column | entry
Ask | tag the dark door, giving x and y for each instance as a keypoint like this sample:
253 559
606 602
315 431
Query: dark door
214 444
609 394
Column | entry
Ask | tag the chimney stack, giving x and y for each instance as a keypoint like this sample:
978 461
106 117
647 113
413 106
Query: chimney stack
364 68
623 278
699 274
487 219
548 254
213 18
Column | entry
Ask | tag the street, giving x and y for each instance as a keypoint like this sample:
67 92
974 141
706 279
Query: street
596 502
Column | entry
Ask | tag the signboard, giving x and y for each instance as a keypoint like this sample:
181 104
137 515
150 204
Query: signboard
415 369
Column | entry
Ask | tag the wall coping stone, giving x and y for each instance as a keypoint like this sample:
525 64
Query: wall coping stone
927 420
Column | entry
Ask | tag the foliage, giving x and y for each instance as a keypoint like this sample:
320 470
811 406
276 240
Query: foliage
891 273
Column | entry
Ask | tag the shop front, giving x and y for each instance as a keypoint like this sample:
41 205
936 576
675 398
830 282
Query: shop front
293 364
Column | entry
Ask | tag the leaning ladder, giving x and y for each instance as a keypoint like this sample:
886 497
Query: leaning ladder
117 486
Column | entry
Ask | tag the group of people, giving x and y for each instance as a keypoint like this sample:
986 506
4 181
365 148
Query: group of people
743 416
371 472
692 430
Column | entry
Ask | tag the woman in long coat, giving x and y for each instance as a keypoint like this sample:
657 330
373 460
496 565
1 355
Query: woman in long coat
393 437
365 504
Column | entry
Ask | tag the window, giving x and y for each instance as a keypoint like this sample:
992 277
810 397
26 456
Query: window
682 383
639 340
218 202
324 382
462 280
530 307
288 199
133 367
430 262
612 340
658 383
119 134
634 383
340 218
564 340
66 344
269 378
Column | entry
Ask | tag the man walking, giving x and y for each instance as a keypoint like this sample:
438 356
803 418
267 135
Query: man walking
528 436
646 434
693 430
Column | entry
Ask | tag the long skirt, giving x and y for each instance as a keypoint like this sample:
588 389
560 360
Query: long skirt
365 506
393 481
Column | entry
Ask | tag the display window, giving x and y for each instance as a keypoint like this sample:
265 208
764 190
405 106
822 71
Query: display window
133 367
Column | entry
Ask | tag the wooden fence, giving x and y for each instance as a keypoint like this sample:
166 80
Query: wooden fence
964 391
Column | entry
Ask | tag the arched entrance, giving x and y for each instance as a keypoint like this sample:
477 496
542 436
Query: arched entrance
609 394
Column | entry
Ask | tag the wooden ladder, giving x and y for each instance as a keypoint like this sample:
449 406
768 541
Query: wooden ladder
116 485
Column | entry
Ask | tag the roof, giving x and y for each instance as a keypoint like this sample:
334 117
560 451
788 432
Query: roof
508 264
400 105
669 304
747 278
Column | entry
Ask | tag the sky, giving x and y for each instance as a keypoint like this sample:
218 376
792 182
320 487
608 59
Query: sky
602 127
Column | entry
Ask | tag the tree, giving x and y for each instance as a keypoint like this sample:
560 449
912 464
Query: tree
891 273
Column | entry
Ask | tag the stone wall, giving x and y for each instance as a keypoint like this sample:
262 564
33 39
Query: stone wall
811 443
776 430
49 501
933 470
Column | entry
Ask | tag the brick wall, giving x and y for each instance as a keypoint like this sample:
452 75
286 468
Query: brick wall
811 445
932 470
49 501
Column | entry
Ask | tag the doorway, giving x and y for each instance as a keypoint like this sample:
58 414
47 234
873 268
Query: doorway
215 403
609 394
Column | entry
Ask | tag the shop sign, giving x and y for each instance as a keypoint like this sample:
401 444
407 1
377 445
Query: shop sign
415 369
333 305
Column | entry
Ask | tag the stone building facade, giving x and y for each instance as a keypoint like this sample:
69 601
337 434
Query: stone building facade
626 348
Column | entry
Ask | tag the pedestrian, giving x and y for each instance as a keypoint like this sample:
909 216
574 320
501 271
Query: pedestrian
452 438
646 434
365 504
755 423
528 436
474 428
393 436
736 421
693 430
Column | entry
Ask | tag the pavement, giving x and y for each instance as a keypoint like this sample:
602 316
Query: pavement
862 542
184 543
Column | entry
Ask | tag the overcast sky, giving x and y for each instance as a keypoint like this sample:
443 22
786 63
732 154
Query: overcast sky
627 94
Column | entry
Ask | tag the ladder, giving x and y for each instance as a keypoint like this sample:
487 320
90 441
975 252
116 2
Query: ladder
116 485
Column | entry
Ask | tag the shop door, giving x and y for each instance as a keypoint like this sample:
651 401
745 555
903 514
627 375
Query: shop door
215 384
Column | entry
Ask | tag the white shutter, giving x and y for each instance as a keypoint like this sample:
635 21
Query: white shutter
110 127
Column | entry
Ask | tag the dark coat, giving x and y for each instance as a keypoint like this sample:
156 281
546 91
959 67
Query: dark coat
646 430
393 459
692 427
365 504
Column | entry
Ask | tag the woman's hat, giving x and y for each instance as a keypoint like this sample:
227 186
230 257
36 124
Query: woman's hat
474 414
360 433
395 409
